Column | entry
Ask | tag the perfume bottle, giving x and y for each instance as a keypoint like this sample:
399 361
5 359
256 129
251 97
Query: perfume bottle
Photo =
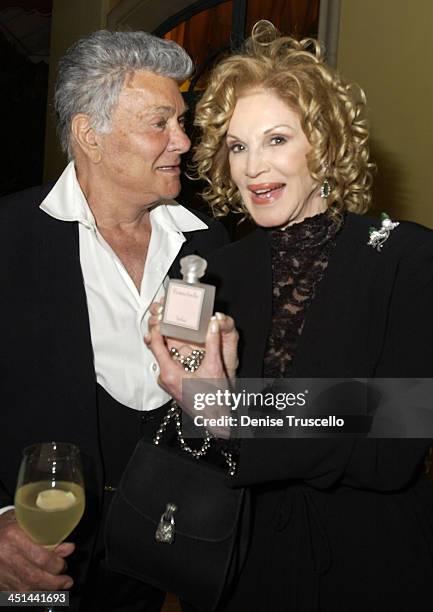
188 304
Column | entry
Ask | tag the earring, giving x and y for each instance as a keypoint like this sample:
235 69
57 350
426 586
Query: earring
325 189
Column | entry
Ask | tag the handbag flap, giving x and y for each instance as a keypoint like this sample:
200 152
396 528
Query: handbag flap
207 509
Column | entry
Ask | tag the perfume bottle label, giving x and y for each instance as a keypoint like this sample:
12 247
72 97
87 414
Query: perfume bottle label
183 305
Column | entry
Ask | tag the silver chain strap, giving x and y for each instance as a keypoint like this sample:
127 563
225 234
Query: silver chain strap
231 463
174 413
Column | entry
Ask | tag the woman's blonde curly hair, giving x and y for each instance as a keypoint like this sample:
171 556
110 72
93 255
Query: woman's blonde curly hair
331 114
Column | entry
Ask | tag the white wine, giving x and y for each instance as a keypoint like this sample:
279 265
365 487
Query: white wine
47 514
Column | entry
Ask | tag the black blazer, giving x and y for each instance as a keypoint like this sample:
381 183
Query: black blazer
48 383
338 524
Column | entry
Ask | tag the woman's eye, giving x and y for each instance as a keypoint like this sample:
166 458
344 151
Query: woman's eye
160 124
236 147
276 140
182 122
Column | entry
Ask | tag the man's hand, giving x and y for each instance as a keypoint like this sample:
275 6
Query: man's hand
26 566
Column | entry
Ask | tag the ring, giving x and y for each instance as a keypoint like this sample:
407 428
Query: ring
185 346
191 362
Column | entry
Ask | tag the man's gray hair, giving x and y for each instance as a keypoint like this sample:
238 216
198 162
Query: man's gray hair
92 72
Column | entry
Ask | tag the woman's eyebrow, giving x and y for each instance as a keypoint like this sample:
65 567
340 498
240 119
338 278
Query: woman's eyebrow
279 126
271 129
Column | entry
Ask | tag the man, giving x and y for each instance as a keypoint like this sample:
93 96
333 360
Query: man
80 265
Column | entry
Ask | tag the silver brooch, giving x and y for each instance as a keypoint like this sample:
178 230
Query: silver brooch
379 236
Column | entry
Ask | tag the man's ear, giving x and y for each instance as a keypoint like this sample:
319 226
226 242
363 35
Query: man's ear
85 137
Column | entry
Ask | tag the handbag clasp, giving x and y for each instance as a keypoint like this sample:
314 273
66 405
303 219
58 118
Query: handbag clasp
165 531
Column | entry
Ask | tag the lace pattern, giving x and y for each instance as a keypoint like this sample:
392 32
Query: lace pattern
300 256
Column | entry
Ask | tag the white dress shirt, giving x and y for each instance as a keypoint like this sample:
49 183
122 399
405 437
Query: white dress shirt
118 312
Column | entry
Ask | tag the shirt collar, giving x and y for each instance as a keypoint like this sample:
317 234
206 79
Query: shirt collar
176 218
66 202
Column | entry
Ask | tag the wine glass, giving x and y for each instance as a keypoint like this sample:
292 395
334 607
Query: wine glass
49 497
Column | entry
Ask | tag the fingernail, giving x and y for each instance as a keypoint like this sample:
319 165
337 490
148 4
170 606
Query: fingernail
214 327
68 584
159 309
147 338
220 316
159 316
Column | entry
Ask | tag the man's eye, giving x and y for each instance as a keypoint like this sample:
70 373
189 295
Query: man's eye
276 140
236 147
182 122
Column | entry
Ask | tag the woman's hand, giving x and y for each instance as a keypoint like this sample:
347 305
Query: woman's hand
228 339
219 362
229 344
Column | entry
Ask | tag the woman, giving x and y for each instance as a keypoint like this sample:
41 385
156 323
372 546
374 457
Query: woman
338 524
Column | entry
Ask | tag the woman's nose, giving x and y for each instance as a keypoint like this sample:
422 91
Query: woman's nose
256 164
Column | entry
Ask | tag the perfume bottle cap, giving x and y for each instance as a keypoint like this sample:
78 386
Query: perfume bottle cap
192 268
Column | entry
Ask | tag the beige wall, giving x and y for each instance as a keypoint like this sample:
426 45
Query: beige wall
385 46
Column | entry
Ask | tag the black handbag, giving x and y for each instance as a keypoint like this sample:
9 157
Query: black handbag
175 524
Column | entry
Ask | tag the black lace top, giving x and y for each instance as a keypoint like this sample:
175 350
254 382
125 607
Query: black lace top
300 255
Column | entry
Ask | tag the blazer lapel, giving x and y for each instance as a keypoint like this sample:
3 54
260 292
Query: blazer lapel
64 300
246 271
258 299
344 327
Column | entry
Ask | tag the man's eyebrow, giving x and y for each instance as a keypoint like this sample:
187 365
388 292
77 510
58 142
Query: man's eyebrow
166 109
159 109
